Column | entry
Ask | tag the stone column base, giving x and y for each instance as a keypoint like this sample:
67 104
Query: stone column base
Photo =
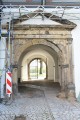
71 92
15 89
68 92
62 94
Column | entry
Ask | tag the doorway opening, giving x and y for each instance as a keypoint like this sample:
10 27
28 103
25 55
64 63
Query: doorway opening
37 69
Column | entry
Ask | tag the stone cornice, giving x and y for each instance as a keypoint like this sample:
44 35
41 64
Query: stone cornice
23 27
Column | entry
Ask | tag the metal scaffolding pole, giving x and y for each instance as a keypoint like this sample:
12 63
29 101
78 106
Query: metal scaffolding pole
12 57
2 61
39 6
31 11
9 44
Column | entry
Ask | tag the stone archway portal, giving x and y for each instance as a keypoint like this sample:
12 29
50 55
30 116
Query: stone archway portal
57 38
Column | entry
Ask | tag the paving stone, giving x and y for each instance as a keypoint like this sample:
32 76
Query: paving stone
44 107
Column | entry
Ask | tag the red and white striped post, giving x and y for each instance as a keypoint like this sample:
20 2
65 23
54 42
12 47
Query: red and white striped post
8 83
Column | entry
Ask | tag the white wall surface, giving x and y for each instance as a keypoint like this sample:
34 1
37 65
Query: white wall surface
75 18
76 57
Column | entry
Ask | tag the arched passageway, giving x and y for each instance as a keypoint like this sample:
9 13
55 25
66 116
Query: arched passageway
45 57
35 55
39 67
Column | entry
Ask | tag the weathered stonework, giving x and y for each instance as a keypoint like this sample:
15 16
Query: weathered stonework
57 38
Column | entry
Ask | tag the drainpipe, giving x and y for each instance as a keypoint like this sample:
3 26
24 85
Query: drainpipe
9 43
1 2
0 87
0 51
43 2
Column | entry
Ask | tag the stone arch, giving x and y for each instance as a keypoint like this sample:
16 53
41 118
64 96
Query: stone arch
32 42
40 42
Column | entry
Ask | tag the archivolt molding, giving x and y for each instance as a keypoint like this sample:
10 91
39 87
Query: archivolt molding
32 42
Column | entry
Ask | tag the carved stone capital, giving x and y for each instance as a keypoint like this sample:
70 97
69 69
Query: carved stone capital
71 92
69 41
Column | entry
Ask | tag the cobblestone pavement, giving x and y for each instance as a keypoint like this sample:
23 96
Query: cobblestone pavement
40 104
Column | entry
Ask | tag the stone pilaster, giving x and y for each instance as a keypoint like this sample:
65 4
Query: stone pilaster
67 84
14 80
70 82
